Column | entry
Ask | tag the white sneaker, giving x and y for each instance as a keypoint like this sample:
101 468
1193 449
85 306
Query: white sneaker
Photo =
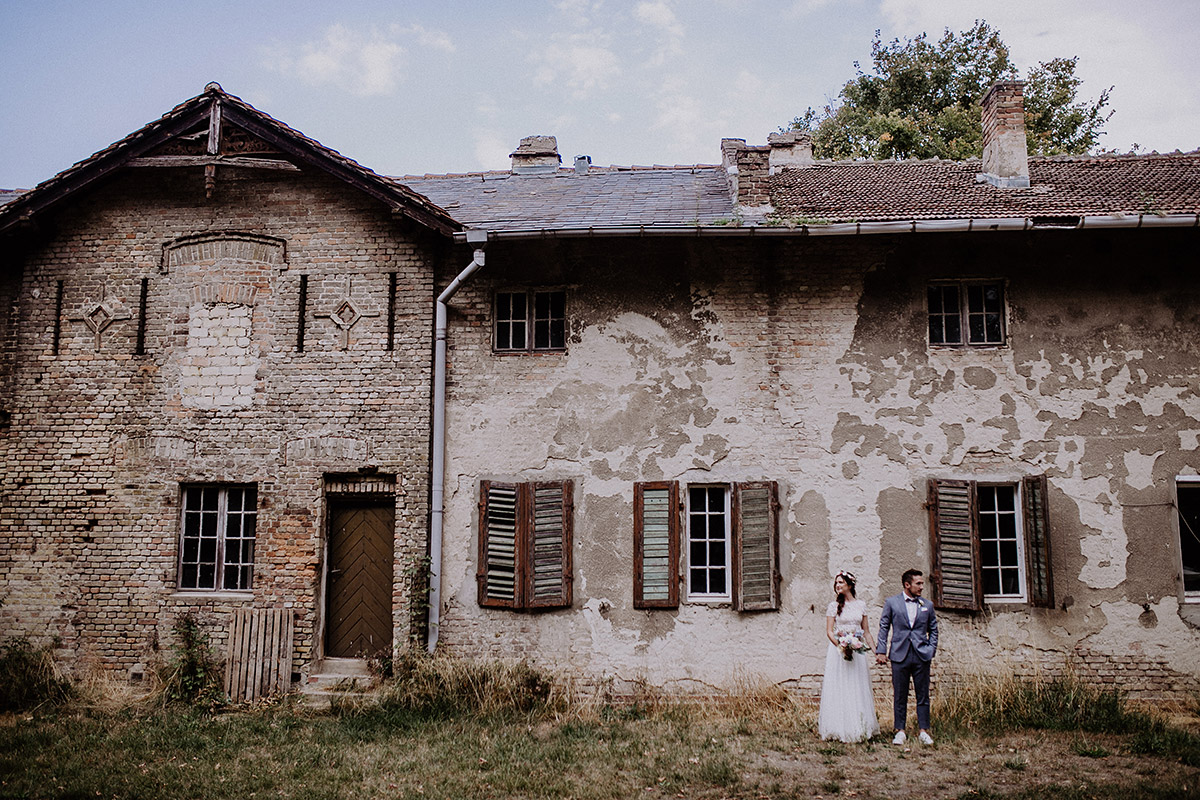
900 738
924 738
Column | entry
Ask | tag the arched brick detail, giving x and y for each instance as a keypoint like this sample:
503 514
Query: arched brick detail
232 293
218 245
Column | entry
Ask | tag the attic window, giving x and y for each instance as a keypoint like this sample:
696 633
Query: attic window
966 313
528 321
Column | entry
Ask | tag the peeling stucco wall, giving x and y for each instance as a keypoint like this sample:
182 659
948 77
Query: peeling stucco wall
806 362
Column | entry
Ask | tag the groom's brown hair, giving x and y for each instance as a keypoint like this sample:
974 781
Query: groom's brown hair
909 574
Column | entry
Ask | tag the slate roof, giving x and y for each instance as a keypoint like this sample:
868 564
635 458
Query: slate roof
194 112
906 190
603 197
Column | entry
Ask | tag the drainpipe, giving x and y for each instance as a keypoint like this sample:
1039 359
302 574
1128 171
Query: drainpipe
478 239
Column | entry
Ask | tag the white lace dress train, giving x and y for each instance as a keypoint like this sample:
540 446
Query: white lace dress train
847 703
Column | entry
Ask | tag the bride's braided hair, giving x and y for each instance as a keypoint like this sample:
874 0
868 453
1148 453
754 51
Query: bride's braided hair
848 577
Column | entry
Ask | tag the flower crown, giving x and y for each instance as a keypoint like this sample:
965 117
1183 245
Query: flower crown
847 575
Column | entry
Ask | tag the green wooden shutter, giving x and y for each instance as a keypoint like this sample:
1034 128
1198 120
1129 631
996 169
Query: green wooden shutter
500 546
1037 541
955 545
548 568
656 545
756 546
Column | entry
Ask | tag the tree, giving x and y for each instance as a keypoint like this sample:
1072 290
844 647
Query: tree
922 101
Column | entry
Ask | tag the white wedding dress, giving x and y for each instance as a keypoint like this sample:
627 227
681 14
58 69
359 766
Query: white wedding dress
847 704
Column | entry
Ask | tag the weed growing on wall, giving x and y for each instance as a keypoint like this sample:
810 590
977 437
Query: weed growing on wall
193 674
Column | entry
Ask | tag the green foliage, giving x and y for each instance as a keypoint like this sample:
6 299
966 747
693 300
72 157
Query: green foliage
28 678
193 674
921 100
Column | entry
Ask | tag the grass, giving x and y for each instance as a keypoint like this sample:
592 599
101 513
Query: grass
445 728
996 704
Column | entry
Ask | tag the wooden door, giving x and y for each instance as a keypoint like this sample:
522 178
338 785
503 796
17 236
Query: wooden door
358 621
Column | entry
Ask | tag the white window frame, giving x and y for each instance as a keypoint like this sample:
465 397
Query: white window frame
1194 595
711 597
1019 530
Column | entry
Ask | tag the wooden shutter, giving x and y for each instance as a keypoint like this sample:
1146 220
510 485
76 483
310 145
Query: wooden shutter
756 546
548 565
1037 541
500 545
955 545
656 544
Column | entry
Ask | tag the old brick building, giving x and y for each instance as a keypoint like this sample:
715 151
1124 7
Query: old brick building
677 400
216 339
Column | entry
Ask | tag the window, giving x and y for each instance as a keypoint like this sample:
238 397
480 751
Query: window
1187 492
216 550
966 313
528 321
525 544
730 541
990 542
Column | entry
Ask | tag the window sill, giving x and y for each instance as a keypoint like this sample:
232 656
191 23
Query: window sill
190 594
1006 605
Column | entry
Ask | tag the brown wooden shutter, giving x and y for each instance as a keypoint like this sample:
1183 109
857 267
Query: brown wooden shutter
548 565
500 545
1037 541
955 545
756 546
656 544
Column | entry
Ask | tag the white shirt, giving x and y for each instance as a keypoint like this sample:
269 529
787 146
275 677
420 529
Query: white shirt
912 608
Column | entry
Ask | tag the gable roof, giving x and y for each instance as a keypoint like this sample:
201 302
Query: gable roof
216 107
914 190
601 197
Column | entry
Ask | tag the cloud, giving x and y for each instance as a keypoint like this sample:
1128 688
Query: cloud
490 150
668 34
576 61
437 40
363 63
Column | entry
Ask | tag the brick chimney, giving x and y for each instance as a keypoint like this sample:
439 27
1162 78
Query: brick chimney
536 155
1005 155
748 168
792 149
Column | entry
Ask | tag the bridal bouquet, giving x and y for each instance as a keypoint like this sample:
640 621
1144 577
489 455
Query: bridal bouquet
849 644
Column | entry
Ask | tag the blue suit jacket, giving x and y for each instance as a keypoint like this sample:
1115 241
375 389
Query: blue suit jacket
921 637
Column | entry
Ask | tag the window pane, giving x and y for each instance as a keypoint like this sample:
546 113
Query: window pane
708 541
999 541
511 320
217 539
944 323
1189 534
549 320
985 314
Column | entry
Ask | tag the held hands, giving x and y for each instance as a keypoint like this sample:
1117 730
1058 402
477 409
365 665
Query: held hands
880 658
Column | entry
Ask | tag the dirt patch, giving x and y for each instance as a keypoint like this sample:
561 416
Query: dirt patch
1028 764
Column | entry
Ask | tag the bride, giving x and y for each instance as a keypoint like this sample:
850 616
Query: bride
847 703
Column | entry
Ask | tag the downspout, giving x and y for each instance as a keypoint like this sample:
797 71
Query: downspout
479 240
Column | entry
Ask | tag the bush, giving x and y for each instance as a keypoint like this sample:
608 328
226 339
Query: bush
442 686
28 677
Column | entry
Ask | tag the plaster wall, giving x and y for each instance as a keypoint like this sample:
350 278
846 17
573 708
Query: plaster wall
806 361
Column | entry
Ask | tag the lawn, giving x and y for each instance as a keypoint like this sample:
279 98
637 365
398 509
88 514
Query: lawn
442 728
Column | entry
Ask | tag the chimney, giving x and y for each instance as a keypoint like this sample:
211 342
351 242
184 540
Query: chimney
536 155
582 164
792 149
748 168
1005 155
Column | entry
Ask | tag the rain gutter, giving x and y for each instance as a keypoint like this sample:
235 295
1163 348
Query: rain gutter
478 239
966 225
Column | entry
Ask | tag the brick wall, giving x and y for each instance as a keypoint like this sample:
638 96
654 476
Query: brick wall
101 438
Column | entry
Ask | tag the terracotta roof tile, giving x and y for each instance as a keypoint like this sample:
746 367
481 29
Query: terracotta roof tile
904 190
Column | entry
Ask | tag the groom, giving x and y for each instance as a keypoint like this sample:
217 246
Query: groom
914 629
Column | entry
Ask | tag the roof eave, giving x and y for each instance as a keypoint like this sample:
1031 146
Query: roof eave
958 225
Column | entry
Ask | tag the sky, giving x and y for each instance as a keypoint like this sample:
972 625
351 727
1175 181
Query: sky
407 87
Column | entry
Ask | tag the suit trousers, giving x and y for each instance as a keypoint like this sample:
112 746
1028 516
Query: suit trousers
914 669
